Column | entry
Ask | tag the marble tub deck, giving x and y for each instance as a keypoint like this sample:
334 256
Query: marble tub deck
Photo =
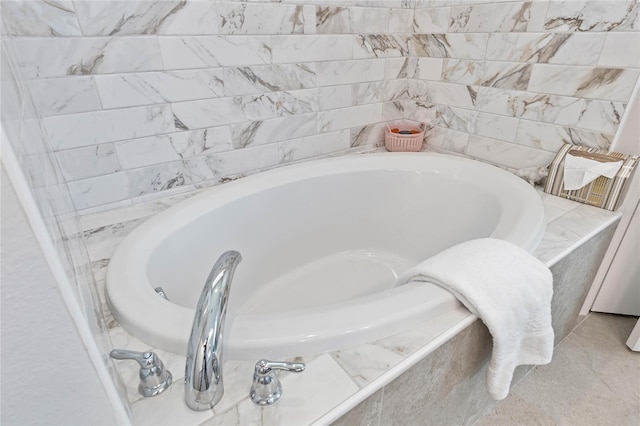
334 382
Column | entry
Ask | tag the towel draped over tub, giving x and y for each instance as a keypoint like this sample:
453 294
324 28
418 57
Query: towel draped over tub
509 290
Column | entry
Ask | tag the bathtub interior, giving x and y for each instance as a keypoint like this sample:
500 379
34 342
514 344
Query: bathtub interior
324 240
322 243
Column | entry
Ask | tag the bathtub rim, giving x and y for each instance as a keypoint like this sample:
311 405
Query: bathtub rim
172 331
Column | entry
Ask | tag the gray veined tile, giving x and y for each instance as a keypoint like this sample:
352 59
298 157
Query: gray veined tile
125 17
514 76
356 71
134 89
57 57
613 15
313 146
611 84
451 45
430 20
532 106
506 153
333 20
275 130
399 20
184 52
268 78
603 116
249 18
462 120
497 17
40 18
56 96
88 162
310 48
380 46
553 48
370 20
90 128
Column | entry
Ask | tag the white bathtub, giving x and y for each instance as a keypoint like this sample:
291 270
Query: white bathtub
322 243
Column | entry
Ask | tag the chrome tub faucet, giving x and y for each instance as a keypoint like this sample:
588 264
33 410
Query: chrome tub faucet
203 383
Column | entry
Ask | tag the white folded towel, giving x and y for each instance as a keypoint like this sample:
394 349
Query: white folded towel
580 171
509 290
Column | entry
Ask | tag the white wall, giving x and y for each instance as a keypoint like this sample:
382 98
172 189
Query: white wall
46 375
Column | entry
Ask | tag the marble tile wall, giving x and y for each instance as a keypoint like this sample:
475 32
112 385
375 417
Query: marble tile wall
510 82
141 97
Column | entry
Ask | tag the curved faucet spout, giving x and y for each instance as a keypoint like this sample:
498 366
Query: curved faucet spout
203 384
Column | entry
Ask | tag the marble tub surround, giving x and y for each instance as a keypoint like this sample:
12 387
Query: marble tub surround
362 370
143 97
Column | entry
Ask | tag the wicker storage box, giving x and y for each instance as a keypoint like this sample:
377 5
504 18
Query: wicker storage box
603 192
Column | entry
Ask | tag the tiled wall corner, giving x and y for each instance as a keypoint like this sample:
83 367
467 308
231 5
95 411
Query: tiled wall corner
529 77
141 97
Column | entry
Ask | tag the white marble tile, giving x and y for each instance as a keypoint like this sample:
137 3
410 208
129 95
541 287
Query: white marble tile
223 111
146 151
100 17
596 83
602 116
82 163
370 20
331 97
380 46
542 136
40 18
310 48
592 16
56 57
275 130
447 139
429 68
68 95
157 178
171 147
370 135
496 126
344 118
251 18
533 106
458 95
392 110
496 17
400 21
268 78
314 146
191 18
344 72
421 112
507 154
552 48
399 68
621 50
134 89
430 20
332 19
506 75
451 45
238 161
213 51
463 120
90 128
99 190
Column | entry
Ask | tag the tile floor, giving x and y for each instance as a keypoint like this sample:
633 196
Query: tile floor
594 379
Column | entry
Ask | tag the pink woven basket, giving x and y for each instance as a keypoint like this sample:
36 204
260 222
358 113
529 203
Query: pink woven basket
397 142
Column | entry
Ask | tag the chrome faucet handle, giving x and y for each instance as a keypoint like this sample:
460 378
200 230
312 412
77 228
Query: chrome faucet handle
154 377
266 388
